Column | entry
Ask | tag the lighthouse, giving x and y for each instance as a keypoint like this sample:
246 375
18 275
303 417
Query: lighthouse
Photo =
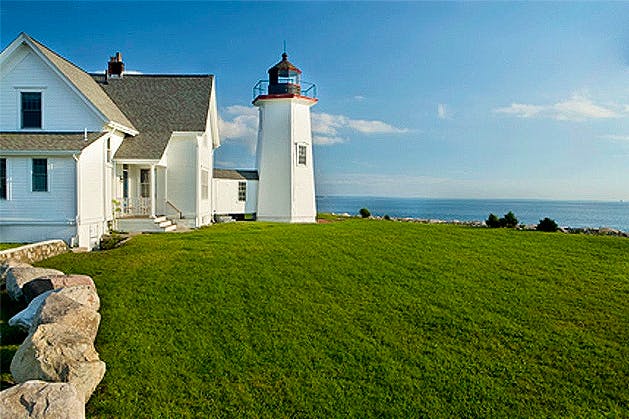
286 191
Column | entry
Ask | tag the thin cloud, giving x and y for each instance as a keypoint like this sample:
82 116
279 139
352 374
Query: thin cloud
359 98
241 124
577 108
443 112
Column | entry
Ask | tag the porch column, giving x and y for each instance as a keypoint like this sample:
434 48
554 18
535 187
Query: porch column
153 191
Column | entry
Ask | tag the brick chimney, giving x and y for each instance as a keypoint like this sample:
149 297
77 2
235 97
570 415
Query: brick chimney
115 67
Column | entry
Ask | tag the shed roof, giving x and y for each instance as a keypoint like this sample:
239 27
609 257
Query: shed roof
55 141
158 105
235 174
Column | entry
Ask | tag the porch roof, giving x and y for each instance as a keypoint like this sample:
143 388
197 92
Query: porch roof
46 141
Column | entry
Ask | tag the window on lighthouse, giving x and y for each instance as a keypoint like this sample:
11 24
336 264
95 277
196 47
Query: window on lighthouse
302 155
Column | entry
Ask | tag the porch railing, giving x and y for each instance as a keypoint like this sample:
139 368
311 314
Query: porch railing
136 206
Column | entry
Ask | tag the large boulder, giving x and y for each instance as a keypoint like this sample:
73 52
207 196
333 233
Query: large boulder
52 352
38 399
4 269
82 294
74 316
24 319
17 276
64 281
36 287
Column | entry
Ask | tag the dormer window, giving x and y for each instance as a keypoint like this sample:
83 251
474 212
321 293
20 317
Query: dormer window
31 110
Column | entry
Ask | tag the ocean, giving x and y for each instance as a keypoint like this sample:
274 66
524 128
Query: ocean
593 214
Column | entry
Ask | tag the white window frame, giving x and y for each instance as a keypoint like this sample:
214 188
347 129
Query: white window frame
21 90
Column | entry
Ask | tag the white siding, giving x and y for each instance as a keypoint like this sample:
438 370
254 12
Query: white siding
226 197
28 216
182 177
62 108
95 181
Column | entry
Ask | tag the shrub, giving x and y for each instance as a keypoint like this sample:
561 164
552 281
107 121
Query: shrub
111 241
547 225
386 217
493 221
365 213
509 220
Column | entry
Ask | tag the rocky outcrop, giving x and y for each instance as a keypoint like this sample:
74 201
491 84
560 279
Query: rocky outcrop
17 276
63 281
39 399
52 352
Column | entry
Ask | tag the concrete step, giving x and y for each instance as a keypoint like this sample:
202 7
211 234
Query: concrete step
158 220
170 228
164 224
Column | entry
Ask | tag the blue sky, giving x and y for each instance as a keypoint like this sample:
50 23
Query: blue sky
452 100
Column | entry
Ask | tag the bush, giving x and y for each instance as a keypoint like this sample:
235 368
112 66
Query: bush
493 221
547 225
509 220
111 241
386 217
365 213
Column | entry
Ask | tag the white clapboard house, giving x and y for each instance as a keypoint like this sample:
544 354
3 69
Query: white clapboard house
82 153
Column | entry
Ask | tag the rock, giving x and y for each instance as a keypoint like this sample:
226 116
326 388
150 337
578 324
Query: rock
52 352
24 319
4 269
75 317
17 276
38 399
82 294
63 281
36 287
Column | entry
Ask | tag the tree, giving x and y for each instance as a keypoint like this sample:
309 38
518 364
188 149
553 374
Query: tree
492 221
547 225
365 213
509 220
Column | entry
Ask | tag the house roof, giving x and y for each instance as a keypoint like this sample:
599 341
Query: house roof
158 105
236 174
85 84
49 141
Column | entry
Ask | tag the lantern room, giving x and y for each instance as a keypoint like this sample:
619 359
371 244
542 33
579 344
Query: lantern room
284 78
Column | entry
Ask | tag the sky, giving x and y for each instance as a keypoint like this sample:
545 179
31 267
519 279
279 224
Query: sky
416 99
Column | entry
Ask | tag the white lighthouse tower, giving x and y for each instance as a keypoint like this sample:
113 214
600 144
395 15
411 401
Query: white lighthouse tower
286 190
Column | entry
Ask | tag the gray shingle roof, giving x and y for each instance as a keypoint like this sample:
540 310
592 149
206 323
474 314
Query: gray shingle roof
85 84
56 141
158 105
236 174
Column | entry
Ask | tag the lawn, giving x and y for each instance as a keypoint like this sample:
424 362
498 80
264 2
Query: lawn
5 246
361 319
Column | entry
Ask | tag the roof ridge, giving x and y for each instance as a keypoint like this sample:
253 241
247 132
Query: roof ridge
39 44
125 75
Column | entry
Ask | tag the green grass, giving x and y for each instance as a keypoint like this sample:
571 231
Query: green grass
361 319
5 246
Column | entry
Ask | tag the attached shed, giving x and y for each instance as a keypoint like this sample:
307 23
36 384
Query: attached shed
235 192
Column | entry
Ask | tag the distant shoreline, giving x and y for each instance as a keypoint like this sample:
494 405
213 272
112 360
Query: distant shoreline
602 231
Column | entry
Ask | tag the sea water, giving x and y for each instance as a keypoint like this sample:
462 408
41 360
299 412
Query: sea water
593 214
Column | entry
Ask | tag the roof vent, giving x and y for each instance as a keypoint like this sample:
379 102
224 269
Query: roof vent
115 67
